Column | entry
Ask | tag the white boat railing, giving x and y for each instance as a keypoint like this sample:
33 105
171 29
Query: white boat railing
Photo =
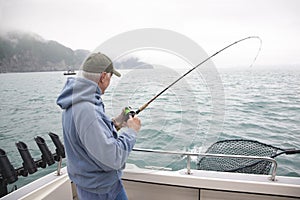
189 154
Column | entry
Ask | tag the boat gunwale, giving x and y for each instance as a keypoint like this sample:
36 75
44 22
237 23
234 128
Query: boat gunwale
217 181
189 154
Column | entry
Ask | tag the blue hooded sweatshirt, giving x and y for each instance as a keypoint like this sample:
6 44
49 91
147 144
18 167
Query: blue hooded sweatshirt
96 154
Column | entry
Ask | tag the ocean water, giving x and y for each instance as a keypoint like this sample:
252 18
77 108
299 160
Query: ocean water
257 104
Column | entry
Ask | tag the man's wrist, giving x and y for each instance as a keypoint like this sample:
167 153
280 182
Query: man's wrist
116 124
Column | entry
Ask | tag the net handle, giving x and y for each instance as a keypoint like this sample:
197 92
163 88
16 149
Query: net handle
287 152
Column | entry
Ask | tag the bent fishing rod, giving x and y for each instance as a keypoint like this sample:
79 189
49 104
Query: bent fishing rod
132 113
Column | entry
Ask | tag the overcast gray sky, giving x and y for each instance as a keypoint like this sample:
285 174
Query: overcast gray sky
213 24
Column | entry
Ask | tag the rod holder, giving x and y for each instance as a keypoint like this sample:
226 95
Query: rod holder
28 162
47 157
7 171
9 174
60 149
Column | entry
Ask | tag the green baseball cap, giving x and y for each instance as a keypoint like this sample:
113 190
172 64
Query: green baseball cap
98 63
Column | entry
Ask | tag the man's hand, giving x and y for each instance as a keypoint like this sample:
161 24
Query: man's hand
120 120
134 123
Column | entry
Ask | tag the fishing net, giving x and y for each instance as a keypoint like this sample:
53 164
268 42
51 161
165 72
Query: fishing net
240 165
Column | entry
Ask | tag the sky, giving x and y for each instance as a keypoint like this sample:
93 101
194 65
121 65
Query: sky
213 24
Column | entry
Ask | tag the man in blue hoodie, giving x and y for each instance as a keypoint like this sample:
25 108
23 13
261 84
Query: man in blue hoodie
96 153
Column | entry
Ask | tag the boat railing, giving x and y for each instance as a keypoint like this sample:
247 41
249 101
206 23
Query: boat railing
189 154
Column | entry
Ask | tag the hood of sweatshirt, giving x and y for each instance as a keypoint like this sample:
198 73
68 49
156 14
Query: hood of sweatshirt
77 90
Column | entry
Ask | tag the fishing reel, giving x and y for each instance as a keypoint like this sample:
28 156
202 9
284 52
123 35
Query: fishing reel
123 117
129 112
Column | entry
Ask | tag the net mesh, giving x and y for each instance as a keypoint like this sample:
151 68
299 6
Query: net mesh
240 165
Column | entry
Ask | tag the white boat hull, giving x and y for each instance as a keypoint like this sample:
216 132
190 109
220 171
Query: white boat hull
49 187
207 185
155 184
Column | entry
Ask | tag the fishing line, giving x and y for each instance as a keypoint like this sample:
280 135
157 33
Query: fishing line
216 53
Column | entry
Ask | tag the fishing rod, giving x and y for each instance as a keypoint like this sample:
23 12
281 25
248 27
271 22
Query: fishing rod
132 113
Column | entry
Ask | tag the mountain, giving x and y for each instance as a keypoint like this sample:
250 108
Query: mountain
28 52
132 63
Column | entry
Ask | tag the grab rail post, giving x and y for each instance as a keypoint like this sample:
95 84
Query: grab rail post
188 165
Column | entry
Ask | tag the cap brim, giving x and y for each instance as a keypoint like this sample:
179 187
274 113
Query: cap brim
115 72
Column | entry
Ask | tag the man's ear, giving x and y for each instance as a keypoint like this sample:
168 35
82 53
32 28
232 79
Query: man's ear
102 77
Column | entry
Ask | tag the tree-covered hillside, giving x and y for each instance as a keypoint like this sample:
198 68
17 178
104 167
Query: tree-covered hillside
27 52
